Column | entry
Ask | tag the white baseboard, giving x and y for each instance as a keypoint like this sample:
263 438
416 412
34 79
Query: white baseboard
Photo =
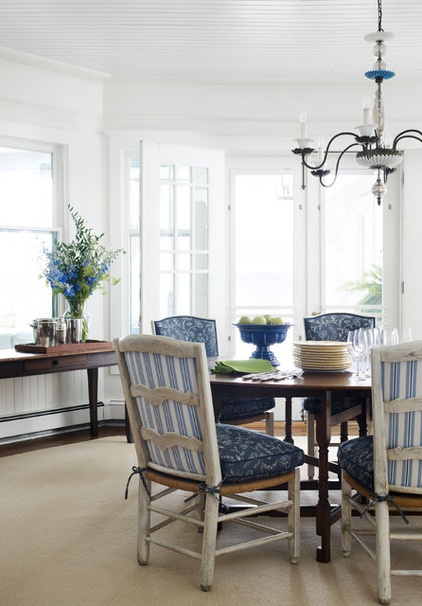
17 426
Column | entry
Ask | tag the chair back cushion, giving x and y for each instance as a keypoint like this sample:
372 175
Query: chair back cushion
170 416
191 329
391 459
335 326
402 394
168 398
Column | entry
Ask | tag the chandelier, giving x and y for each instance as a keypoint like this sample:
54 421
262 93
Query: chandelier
376 150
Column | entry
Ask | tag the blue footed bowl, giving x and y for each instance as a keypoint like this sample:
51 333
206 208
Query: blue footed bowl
263 336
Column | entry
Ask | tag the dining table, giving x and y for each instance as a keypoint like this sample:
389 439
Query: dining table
355 394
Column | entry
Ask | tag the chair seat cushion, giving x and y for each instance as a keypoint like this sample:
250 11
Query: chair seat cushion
356 457
242 408
247 455
313 405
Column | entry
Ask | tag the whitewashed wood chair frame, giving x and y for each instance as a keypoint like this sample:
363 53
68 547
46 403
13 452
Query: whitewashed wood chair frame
202 452
397 408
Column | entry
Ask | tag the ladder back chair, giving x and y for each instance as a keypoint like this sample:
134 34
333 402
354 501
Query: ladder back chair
241 411
331 327
386 467
180 447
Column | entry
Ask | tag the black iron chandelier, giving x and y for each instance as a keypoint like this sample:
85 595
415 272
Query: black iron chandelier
376 152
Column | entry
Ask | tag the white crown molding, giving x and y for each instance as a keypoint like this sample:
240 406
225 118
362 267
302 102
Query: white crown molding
35 61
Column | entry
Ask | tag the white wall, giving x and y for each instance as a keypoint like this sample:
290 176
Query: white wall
63 108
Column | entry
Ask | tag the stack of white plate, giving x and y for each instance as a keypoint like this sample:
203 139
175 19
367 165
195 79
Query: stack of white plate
321 355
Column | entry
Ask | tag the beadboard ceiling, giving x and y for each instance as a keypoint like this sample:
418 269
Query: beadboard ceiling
228 41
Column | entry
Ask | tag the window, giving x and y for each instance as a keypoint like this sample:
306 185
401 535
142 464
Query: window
263 247
26 226
352 246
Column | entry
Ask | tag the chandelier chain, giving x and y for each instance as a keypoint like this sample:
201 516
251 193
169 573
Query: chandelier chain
380 16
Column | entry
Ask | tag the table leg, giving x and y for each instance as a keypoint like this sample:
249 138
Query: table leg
288 437
323 510
93 400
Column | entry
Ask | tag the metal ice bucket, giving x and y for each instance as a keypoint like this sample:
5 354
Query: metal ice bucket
45 330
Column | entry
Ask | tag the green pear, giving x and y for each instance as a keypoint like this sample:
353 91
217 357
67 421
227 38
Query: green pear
244 320
267 318
277 320
258 320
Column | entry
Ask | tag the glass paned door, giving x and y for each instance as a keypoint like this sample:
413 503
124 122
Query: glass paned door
183 240
182 235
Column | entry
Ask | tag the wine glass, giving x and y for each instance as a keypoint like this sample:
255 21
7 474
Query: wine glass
357 348
371 339
362 347
401 335
352 350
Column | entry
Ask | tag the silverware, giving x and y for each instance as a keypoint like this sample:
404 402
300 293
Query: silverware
272 375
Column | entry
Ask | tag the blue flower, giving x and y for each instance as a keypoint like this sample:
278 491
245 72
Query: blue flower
77 269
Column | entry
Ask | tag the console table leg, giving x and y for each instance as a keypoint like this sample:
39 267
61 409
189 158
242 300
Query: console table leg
93 400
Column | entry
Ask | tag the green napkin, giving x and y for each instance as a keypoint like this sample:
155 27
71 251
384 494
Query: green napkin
242 366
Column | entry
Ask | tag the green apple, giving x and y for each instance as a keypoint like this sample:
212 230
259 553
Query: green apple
258 320
244 320
267 318
277 320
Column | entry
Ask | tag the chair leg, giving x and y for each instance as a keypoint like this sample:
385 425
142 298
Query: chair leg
293 517
311 443
344 431
269 424
209 541
144 523
346 517
383 552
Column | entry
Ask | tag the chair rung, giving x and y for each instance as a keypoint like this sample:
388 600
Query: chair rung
254 543
243 513
177 516
365 547
177 548
407 573
258 526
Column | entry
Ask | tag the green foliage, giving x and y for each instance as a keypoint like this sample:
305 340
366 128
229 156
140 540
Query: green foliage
370 285
77 269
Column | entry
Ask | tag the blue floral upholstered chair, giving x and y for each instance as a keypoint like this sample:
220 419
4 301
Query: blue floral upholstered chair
329 327
241 411
386 467
180 447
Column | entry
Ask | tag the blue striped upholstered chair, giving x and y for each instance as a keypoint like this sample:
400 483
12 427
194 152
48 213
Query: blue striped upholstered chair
180 447
386 468
241 411
329 327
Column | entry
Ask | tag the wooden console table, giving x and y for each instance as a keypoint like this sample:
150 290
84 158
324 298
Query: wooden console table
88 356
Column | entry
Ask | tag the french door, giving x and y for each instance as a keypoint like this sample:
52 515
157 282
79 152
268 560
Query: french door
182 232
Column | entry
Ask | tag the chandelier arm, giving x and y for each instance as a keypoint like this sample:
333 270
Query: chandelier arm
327 149
345 150
406 135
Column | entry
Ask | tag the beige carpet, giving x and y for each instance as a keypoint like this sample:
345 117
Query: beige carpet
68 538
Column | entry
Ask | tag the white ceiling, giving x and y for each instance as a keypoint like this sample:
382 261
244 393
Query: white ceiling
232 41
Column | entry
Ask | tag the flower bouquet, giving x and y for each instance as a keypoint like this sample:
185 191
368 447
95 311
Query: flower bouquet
77 269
